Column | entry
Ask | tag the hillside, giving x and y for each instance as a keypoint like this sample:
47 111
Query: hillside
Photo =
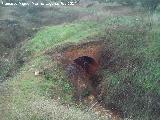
129 65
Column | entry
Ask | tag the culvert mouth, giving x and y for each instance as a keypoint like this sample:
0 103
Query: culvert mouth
88 64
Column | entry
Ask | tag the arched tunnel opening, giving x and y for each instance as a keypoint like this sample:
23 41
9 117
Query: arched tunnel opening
88 64
82 73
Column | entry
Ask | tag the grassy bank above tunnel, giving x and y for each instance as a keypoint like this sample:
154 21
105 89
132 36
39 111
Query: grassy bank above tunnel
131 73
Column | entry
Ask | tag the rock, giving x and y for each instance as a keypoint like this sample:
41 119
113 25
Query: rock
37 73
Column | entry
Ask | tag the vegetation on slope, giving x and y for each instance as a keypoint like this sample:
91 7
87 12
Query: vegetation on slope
132 74
133 86
18 24
26 88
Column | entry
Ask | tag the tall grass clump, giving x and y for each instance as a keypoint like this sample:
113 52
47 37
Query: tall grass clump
133 71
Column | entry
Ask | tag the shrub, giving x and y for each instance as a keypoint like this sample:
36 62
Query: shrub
151 5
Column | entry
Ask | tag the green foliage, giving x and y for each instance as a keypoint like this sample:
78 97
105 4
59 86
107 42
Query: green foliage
149 5
134 76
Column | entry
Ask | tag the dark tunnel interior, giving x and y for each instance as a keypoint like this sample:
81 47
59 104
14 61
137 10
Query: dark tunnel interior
87 63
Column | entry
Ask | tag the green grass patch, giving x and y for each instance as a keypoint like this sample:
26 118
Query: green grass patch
52 36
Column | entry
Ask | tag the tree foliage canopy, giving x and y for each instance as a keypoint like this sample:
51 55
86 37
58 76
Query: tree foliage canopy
150 5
